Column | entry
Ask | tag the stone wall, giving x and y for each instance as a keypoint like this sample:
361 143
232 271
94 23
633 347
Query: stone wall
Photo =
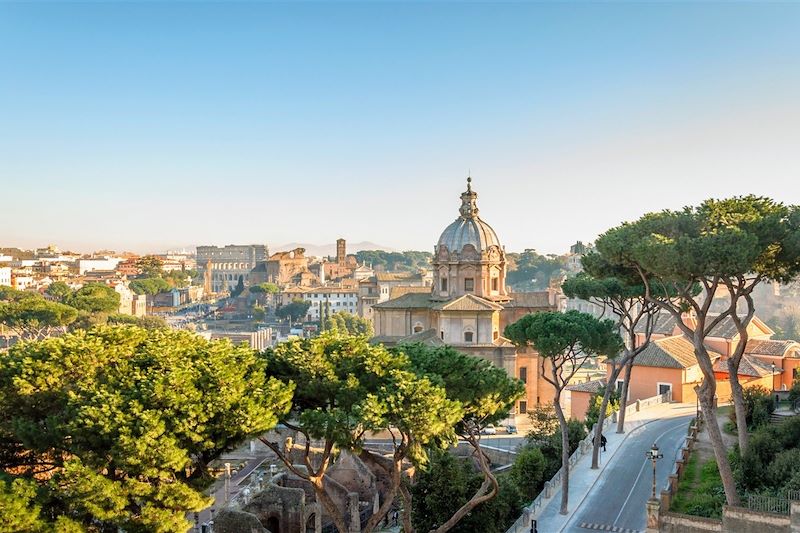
681 523
744 520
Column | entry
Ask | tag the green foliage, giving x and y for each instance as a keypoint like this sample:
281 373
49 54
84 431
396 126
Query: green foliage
18 508
239 289
268 288
59 291
349 324
528 471
294 311
345 385
146 322
544 423
758 404
723 238
393 261
786 325
150 266
259 313
700 490
532 271
771 461
149 285
447 484
485 392
596 401
30 315
794 392
121 415
94 298
555 335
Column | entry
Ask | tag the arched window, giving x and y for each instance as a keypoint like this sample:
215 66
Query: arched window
468 336
418 327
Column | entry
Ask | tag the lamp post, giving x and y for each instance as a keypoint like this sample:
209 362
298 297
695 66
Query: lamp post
654 455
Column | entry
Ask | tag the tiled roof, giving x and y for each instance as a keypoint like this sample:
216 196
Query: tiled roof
397 292
468 302
670 352
749 366
665 324
724 330
407 301
397 276
768 346
429 336
538 299
588 386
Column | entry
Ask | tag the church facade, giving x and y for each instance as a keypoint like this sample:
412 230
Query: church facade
469 305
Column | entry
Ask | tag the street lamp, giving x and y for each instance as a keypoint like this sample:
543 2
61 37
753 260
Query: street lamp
654 455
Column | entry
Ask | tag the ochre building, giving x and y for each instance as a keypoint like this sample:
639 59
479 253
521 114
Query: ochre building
469 305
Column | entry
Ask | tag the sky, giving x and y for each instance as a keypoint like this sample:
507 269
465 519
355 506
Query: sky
152 125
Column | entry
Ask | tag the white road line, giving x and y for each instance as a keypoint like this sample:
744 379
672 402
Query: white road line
633 487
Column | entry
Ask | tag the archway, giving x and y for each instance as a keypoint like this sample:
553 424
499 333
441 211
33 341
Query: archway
273 524
310 525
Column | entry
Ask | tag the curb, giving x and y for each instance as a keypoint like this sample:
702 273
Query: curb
601 470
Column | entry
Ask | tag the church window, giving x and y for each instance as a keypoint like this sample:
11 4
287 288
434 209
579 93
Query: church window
467 336
523 407
444 284
469 284
441 333
495 284
523 374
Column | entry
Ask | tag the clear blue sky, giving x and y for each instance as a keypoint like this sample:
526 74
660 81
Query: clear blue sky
153 125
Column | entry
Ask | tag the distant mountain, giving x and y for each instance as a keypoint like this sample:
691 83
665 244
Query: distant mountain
329 249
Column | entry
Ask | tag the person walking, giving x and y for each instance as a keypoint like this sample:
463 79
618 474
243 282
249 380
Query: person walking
603 441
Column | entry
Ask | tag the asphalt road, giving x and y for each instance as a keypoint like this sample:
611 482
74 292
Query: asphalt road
620 495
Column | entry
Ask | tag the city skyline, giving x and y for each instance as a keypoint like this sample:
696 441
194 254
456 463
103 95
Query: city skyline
152 126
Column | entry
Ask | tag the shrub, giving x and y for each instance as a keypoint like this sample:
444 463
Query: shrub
593 411
528 471
758 407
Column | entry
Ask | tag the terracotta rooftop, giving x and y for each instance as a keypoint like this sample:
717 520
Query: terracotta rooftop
749 366
397 292
670 352
411 300
588 386
397 276
769 347
538 299
468 302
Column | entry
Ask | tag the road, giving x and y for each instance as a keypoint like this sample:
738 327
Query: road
619 497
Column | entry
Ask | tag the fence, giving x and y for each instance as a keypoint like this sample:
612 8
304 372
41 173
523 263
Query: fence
768 504
529 513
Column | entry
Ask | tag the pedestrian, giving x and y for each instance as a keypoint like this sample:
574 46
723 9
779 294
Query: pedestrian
394 517
603 441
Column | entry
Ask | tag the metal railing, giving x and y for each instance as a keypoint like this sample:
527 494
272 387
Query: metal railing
768 504
531 511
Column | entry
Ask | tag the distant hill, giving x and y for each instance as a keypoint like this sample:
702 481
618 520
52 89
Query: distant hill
329 249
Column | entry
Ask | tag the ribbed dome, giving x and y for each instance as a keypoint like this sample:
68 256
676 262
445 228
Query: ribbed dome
468 228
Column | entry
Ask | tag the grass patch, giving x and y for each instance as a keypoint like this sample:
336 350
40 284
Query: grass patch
700 492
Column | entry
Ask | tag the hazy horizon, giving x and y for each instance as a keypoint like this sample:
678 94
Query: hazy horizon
145 126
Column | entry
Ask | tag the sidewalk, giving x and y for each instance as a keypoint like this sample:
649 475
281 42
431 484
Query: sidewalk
583 478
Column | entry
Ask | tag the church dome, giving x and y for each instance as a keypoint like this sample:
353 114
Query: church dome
468 228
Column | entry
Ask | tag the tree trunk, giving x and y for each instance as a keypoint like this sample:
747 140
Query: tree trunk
327 502
706 392
601 417
393 468
485 492
623 401
406 517
564 457
740 409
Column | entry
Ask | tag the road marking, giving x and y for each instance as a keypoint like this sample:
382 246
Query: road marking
633 487
607 527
